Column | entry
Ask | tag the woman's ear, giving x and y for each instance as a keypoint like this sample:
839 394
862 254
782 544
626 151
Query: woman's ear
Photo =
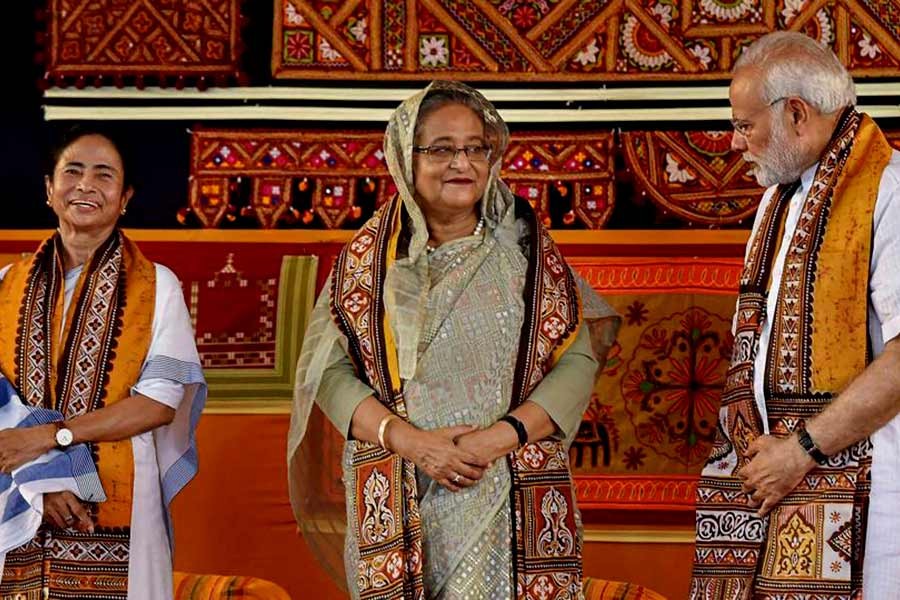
126 196
48 186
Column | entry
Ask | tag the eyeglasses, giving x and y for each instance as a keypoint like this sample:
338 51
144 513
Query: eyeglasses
744 127
441 155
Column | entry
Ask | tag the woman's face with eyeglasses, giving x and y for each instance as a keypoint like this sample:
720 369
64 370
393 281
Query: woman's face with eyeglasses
451 161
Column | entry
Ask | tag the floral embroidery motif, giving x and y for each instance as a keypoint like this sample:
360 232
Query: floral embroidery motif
796 550
378 522
555 539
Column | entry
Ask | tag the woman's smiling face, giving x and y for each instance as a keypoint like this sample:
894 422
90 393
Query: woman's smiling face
87 190
454 186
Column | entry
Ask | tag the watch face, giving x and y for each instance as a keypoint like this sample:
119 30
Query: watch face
64 437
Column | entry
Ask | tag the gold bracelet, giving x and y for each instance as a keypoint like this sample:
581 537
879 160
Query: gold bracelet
383 426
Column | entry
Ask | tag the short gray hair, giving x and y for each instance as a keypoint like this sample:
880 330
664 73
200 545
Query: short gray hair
793 64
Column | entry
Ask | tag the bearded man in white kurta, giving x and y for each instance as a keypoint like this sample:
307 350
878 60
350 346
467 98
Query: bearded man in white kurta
799 497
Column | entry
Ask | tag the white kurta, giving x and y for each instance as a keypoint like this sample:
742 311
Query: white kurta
882 558
165 458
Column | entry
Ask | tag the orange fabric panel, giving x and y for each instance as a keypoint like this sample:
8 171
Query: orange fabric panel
603 589
235 518
663 567
189 586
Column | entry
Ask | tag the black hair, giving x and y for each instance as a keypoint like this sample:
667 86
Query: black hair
75 132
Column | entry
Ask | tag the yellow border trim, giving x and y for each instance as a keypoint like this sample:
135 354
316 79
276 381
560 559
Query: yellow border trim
681 535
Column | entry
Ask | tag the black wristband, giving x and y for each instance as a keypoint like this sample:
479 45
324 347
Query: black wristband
521 432
810 446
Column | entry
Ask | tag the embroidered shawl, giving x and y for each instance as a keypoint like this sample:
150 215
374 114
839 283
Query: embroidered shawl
811 545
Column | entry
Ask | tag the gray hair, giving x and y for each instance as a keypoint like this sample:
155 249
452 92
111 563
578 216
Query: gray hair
793 64
442 93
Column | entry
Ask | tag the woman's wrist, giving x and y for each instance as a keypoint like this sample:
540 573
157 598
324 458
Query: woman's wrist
397 435
506 438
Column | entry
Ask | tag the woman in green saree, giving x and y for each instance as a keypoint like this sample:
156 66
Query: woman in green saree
456 351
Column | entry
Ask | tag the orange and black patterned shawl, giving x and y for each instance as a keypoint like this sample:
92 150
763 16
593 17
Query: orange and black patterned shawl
390 534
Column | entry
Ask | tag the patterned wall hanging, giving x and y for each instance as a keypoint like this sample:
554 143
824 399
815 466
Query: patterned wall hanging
333 180
565 40
693 174
651 422
159 42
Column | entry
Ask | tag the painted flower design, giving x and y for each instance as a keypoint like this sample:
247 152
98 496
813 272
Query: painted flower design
359 31
327 52
362 243
673 384
675 172
554 328
588 55
791 10
533 457
291 16
356 302
641 47
634 458
433 51
663 13
723 10
868 47
299 46
701 53
524 17
636 313
395 565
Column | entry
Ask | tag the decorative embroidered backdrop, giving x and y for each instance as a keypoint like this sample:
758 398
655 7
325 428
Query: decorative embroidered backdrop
555 40
125 41
327 179
332 179
650 425
693 174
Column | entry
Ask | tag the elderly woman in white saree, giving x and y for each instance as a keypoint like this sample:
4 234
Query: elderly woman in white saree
456 351
97 343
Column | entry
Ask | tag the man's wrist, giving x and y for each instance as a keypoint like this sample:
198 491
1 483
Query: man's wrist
809 447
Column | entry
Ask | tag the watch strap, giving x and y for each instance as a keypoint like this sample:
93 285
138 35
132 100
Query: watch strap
809 445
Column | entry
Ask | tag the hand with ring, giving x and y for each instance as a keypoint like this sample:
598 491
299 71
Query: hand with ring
64 510
435 453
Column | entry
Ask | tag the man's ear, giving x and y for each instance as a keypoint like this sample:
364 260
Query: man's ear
800 112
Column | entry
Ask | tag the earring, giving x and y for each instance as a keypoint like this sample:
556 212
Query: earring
49 202
122 212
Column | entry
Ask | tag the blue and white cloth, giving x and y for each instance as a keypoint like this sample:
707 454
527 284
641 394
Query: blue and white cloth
22 491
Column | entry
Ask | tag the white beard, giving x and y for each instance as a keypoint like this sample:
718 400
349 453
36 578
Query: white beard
781 162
